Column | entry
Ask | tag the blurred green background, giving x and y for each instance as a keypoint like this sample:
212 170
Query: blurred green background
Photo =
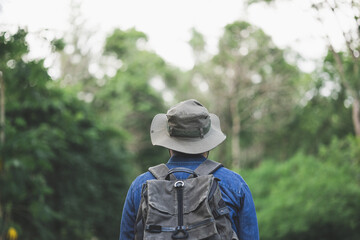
71 146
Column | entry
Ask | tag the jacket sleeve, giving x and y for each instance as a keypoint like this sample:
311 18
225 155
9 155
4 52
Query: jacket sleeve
128 216
247 220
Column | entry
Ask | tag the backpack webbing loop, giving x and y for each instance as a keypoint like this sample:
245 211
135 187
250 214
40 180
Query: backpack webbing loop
207 167
159 171
159 229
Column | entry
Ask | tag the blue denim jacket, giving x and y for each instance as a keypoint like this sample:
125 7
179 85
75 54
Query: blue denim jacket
234 189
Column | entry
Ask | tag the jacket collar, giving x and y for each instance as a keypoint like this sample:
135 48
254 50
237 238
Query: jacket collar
187 158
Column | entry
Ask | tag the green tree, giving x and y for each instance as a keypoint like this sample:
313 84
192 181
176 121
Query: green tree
309 197
63 174
344 62
128 99
253 87
315 123
78 55
198 44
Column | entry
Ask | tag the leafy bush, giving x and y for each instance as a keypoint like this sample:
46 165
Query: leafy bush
309 197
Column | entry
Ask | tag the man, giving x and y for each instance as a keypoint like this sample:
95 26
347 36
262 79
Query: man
189 132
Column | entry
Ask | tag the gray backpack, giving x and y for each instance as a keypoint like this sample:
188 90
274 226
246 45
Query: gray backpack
190 209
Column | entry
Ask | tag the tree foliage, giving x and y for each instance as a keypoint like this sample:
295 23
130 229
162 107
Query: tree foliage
310 197
60 168
128 100
313 124
254 89
344 62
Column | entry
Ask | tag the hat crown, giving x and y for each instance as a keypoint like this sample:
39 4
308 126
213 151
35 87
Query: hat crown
188 119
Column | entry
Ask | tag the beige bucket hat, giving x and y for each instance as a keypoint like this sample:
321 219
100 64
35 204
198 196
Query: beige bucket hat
187 127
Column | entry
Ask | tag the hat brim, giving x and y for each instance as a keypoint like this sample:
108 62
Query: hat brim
160 136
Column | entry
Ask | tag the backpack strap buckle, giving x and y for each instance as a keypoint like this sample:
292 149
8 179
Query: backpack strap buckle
180 233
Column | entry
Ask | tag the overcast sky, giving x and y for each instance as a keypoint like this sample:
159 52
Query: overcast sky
167 23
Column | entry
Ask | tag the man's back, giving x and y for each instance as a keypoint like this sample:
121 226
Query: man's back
235 193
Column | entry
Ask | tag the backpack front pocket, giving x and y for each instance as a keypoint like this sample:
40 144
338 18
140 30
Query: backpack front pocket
196 220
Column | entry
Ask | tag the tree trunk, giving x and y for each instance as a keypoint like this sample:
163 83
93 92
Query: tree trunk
2 136
356 116
2 112
235 134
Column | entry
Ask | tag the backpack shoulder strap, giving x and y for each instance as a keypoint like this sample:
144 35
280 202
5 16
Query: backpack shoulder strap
159 171
207 167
